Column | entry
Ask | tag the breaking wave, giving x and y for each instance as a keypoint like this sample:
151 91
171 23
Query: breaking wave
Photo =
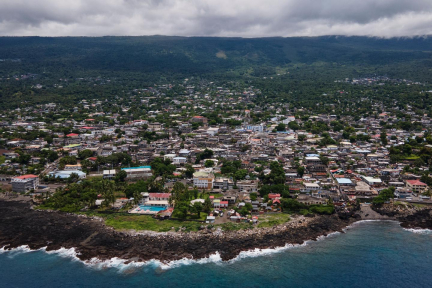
419 231
127 266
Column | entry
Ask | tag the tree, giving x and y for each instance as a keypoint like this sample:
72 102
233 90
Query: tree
300 171
209 163
301 137
189 171
240 174
197 208
324 159
137 197
120 176
293 125
384 196
280 127
207 207
206 154
383 137
84 154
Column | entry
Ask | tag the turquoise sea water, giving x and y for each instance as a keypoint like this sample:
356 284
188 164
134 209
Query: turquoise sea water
370 254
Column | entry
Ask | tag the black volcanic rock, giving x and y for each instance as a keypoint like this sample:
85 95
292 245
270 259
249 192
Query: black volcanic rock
21 225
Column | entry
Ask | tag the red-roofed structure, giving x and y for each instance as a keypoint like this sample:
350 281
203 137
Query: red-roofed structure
25 183
26 176
159 196
416 185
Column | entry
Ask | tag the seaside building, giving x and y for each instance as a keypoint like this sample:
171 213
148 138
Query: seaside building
25 183
416 186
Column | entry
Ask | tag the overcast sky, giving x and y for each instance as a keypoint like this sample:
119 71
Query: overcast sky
245 18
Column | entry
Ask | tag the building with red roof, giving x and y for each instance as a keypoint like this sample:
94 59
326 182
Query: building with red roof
223 204
25 183
159 196
72 135
200 119
416 185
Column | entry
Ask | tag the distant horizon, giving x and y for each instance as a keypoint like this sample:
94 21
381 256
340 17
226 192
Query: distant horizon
229 37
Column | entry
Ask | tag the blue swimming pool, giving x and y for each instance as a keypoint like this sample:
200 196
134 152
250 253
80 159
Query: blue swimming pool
152 208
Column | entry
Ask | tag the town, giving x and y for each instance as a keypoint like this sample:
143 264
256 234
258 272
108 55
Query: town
210 153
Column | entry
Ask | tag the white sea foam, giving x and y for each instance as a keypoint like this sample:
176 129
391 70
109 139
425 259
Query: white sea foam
123 265
419 231
366 221
322 237
64 252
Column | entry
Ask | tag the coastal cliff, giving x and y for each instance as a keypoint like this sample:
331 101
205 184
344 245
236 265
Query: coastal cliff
21 225
410 216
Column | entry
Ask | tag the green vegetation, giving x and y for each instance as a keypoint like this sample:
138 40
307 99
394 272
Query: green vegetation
270 220
384 196
144 222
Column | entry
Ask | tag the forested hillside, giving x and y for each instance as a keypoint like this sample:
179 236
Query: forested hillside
180 55
306 67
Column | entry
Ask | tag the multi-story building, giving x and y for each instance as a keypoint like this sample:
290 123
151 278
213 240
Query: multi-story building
202 179
138 172
25 183
416 186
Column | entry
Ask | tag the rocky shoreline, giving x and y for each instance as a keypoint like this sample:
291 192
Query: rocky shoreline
90 238
411 217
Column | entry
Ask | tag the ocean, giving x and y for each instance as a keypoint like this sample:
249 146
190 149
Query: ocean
370 254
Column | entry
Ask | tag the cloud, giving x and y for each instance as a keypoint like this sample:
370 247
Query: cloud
244 18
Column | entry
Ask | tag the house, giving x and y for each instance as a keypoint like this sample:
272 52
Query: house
179 160
72 167
140 172
223 204
371 181
203 179
223 183
247 186
416 186
158 199
308 200
25 183
199 119
109 174
64 174
311 187
344 182
210 219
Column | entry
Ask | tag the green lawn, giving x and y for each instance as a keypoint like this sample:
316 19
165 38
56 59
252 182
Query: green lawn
216 195
146 222
124 221
2 159
411 157
270 220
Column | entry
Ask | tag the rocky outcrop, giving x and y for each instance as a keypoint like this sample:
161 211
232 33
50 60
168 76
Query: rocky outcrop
409 215
21 225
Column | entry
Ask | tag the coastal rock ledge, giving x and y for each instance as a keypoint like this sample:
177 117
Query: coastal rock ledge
21 225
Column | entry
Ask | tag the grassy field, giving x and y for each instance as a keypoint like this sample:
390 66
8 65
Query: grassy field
270 220
145 222
125 221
